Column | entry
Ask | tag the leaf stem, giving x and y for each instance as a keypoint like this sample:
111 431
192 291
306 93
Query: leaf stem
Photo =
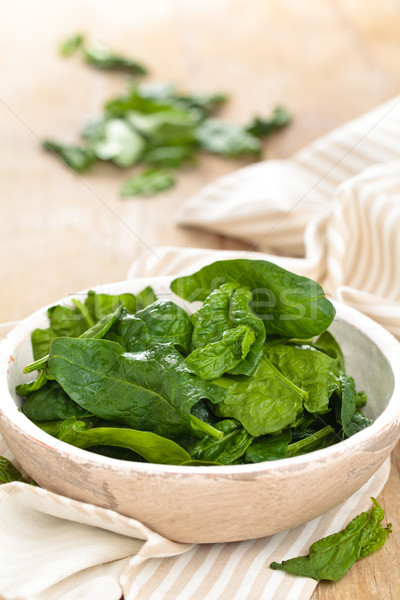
206 428
292 449
301 393
84 312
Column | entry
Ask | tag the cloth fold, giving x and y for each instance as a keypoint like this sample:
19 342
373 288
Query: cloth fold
331 213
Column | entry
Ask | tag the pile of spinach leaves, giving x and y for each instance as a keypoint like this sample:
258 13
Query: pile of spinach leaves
156 126
253 375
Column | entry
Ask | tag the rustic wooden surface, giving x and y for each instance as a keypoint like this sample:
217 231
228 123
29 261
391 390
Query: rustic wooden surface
328 61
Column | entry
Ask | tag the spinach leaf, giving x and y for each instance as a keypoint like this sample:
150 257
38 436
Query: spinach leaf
99 56
100 305
71 44
269 447
152 447
79 159
149 182
149 390
118 142
211 361
226 308
98 331
327 343
262 127
41 340
145 297
9 473
51 403
33 386
219 137
308 369
169 156
289 304
332 556
352 421
161 322
229 449
264 403
166 127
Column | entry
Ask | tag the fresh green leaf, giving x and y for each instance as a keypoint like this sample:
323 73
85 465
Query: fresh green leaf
79 159
308 369
332 556
100 305
99 56
51 403
33 386
229 449
226 308
262 127
149 390
152 447
9 473
327 343
145 297
72 44
219 137
289 304
215 359
98 331
264 403
208 103
149 182
169 156
352 421
269 447
161 322
166 127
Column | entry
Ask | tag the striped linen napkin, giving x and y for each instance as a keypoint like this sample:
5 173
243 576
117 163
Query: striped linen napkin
332 212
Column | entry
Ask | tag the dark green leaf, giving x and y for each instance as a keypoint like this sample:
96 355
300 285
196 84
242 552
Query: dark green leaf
226 308
169 156
269 447
99 56
289 304
264 403
215 359
148 390
262 127
219 137
79 159
309 369
145 297
161 322
327 343
71 44
332 556
226 451
51 403
33 386
152 447
149 182
100 305
352 421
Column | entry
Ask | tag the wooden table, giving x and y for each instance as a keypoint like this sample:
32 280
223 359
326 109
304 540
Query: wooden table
328 61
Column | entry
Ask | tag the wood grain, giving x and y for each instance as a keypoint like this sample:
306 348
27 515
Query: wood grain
328 61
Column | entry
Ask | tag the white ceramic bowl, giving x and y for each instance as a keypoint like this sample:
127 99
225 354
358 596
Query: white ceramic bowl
215 504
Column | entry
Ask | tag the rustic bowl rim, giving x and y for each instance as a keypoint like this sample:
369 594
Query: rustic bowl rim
385 422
